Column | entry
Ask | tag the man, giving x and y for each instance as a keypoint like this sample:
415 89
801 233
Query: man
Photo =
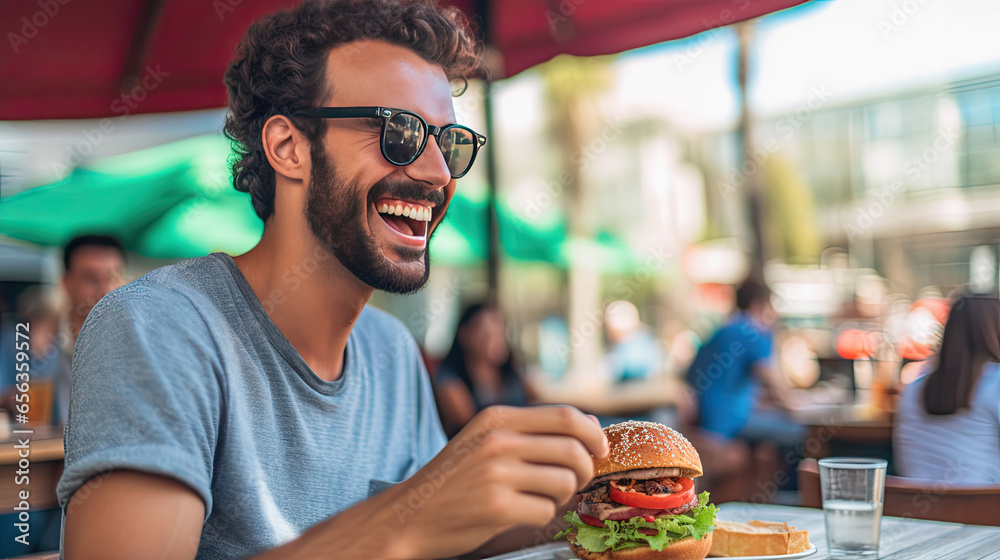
92 268
228 408
730 369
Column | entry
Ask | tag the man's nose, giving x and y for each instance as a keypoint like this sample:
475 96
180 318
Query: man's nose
430 168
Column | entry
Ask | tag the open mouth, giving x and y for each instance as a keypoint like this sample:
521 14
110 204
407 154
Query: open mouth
409 219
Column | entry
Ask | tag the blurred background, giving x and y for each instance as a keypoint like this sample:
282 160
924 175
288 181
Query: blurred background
845 154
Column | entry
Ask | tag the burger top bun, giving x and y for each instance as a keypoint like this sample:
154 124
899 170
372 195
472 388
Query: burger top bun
644 445
683 549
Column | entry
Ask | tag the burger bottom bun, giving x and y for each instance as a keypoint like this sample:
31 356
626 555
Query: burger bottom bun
683 549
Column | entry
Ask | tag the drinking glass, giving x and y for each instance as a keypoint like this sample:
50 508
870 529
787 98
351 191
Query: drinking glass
853 489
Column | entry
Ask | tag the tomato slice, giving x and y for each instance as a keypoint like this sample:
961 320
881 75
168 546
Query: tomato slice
591 520
655 501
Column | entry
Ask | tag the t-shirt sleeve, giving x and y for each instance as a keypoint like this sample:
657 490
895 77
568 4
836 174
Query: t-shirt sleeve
146 392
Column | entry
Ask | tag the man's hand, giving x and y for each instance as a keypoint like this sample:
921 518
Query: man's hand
508 466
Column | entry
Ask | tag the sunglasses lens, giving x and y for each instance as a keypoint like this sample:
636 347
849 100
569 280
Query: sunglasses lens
404 134
459 147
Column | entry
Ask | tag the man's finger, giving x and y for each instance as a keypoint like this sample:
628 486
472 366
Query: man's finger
529 509
565 452
555 420
556 483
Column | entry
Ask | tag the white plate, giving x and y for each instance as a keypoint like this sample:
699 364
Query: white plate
810 552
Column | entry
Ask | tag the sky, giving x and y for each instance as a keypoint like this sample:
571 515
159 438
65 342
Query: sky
844 51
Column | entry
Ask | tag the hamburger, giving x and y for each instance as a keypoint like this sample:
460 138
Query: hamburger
641 503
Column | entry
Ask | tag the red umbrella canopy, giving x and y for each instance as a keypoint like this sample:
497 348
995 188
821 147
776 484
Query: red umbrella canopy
107 58
69 59
529 32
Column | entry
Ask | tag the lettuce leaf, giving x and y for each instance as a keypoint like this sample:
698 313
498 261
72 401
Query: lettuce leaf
617 535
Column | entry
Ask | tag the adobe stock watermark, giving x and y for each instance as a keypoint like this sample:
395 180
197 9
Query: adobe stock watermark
724 358
592 322
583 158
224 7
813 445
900 15
922 502
713 28
788 125
559 19
122 106
915 166
32 24
292 279
423 488
420 320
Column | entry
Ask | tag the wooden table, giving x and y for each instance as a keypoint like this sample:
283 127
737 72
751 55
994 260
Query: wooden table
595 395
46 467
901 538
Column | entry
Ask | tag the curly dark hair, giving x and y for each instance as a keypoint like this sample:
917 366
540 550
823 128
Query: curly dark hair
280 67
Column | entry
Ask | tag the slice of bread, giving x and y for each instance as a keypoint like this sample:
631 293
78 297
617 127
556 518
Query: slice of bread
757 538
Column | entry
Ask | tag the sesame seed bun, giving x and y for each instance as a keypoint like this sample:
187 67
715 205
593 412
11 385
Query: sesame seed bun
682 549
647 445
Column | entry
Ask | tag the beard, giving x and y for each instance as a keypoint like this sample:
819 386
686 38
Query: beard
336 209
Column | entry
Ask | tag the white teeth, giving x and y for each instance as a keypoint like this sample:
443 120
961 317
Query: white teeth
420 213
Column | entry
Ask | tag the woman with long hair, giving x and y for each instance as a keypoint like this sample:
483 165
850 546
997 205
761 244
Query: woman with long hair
948 423
480 369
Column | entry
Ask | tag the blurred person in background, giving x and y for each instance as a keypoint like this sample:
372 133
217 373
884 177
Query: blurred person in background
92 268
947 426
41 307
734 373
634 354
479 370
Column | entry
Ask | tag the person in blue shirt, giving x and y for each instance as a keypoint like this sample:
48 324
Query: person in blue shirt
730 371
634 354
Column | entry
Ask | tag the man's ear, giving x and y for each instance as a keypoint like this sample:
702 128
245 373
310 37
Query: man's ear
286 147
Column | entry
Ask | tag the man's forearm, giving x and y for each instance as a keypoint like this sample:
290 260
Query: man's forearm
369 529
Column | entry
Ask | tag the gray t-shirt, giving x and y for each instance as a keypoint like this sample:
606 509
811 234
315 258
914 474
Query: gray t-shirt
182 373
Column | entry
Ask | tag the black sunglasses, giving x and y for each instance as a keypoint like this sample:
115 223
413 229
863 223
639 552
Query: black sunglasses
403 136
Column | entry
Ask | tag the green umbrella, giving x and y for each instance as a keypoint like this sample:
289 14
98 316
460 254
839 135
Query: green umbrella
177 201
462 238
172 201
